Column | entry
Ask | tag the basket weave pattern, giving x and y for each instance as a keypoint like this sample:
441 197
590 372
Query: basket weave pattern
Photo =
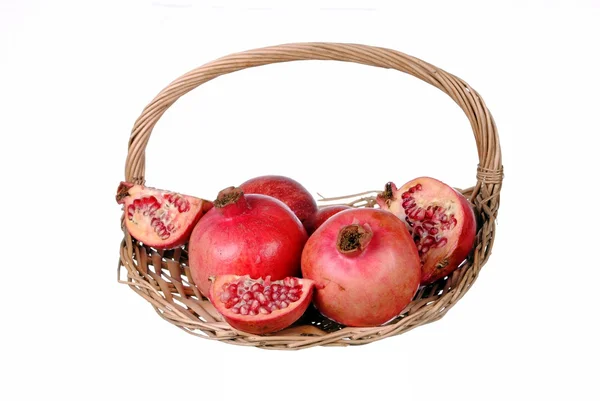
163 277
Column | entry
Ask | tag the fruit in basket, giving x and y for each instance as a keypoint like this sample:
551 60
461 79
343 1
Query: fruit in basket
254 235
287 190
440 219
365 266
260 306
159 218
322 215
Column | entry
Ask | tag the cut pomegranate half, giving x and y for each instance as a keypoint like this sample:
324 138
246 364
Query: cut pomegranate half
260 306
440 220
158 218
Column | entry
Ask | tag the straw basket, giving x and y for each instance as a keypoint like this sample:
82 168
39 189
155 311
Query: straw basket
163 277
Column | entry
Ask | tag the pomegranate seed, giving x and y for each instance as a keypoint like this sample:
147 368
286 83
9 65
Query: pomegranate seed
275 297
293 297
441 242
253 313
283 304
413 213
410 209
425 249
406 195
293 282
184 207
433 231
428 241
260 297
408 203
247 296
418 187
284 290
419 231
262 310
225 296
274 307
235 310
256 287
275 287
429 213
254 305
294 291
244 310
427 224
412 190
420 214
282 297
443 218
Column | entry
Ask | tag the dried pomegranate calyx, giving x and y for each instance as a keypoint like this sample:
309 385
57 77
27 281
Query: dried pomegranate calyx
387 196
353 239
228 196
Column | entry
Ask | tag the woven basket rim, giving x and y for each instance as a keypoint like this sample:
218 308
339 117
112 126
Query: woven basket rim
163 279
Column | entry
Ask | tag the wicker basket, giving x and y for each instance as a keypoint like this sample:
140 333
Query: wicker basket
163 277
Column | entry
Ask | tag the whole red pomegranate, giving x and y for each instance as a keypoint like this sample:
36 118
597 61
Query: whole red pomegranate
365 266
322 215
159 218
253 235
440 220
287 190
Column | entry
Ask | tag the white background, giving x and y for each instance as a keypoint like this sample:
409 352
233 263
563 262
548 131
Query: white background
74 77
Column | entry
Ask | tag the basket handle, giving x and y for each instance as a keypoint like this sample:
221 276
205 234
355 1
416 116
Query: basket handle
489 171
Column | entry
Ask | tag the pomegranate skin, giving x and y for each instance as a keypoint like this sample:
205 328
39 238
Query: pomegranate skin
369 285
255 235
287 190
322 215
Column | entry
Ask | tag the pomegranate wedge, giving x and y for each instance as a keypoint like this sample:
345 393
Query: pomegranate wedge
440 219
159 218
260 306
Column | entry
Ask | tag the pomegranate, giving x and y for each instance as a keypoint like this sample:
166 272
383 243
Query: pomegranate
253 235
290 192
260 306
440 220
365 266
323 214
158 218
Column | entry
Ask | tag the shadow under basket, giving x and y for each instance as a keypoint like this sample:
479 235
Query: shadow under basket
163 277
